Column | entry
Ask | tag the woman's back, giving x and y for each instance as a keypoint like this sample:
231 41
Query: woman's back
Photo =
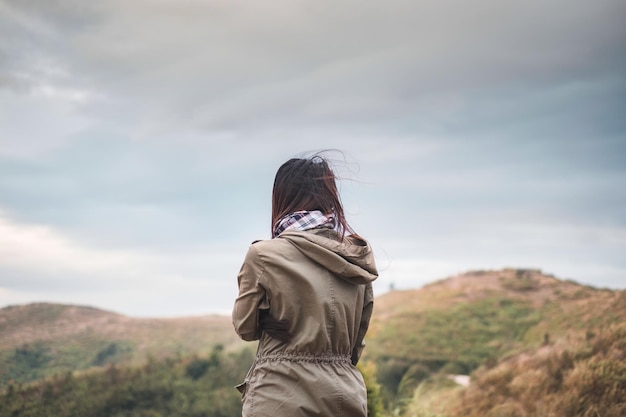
321 287
313 281
306 295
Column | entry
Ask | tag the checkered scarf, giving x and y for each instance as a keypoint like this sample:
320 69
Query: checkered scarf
303 220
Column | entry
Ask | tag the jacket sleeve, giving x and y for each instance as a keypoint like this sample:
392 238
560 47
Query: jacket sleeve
368 308
251 297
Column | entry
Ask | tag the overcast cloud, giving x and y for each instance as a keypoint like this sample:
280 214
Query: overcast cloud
139 139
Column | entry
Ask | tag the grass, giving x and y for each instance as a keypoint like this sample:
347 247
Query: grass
586 378
466 334
478 320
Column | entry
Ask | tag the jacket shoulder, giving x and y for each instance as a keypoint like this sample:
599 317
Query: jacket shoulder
270 244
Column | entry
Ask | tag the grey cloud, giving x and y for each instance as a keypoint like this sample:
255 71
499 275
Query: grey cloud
218 65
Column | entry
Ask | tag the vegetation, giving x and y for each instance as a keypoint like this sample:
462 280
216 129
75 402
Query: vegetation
413 347
457 325
198 386
192 387
533 345
375 406
585 379
41 340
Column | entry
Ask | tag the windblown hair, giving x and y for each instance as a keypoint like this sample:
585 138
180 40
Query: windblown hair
308 184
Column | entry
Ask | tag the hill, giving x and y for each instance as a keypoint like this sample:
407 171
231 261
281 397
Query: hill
533 345
477 320
37 340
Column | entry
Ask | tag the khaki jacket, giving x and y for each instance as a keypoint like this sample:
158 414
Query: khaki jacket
322 287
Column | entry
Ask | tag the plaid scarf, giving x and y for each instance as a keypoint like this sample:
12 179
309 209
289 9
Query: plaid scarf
303 220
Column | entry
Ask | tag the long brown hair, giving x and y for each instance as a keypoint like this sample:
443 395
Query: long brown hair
308 184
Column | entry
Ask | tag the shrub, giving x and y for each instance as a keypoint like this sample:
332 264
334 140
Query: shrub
375 407
588 379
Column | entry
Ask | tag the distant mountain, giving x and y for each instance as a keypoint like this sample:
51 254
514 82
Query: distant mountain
37 340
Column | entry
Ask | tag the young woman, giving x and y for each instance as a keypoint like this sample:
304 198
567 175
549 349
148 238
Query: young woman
306 295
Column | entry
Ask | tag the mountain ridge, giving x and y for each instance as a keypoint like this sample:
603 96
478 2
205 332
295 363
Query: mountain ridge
74 319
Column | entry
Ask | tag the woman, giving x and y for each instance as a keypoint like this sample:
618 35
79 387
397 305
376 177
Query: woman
306 295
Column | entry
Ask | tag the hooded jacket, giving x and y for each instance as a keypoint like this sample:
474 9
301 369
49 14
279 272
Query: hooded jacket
321 287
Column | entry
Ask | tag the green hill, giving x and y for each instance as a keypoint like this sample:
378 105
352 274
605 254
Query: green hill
38 340
476 320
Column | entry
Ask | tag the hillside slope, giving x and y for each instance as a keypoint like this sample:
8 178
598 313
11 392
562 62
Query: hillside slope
185 387
41 339
455 325
567 378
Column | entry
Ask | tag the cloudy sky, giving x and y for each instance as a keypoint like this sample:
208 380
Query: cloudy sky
139 140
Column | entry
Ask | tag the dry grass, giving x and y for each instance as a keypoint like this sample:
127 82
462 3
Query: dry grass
567 305
484 317
26 324
583 378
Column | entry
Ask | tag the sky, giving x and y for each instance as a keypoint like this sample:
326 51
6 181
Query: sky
139 140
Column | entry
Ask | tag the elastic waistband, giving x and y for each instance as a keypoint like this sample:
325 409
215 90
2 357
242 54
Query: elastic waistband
324 358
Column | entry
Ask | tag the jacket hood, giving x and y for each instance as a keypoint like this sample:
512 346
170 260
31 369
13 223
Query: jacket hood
352 259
